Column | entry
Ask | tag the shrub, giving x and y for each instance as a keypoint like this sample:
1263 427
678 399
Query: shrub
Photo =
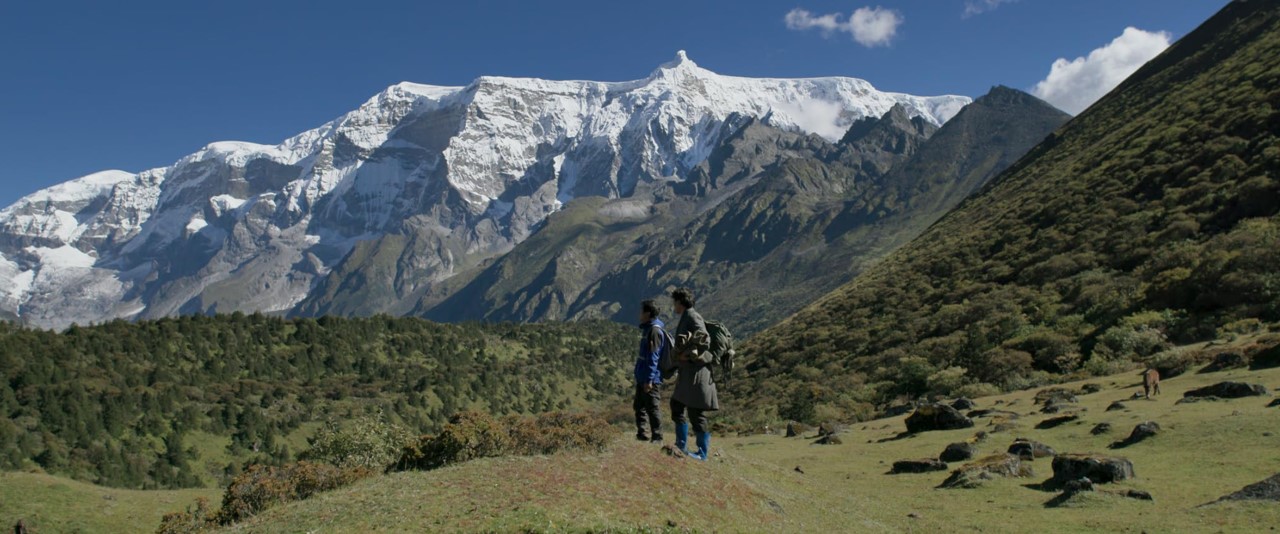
370 442
946 381
1174 362
195 519
473 435
1126 341
973 391
261 487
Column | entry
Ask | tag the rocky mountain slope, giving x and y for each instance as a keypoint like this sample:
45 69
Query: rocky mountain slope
1148 220
768 223
415 186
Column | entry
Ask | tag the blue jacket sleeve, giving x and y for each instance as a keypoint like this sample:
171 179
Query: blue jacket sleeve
656 340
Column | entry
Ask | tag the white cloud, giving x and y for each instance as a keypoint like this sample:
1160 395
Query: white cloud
815 116
869 26
975 7
1073 85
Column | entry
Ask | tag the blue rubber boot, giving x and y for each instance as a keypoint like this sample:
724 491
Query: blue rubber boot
682 437
704 447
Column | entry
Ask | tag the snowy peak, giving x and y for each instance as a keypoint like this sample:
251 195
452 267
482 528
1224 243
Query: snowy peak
469 172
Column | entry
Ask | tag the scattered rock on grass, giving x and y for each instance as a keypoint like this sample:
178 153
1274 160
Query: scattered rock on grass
963 403
794 429
1138 494
937 417
1057 406
1091 388
1045 396
1057 421
1228 390
1100 469
1029 450
920 465
1078 485
1100 428
672 451
1141 432
829 439
1266 490
991 412
1273 403
1117 405
973 474
958 452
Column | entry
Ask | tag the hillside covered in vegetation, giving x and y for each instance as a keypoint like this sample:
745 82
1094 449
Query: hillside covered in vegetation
131 404
1148 220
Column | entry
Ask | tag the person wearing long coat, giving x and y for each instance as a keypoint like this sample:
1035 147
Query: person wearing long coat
695 391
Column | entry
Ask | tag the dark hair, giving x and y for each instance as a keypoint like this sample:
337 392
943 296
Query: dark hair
684 296
650 307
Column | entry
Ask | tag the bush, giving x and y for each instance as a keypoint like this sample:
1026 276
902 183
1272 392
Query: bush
193 520
473 435
1128 341
1174 362
260 487
370 442
973 391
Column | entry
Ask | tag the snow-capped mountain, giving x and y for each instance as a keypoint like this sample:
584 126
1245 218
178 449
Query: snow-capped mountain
451 175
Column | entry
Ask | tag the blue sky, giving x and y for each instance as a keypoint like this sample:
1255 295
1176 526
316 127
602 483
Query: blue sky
87 86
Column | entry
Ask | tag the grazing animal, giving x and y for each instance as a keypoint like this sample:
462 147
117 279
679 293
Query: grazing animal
1150 382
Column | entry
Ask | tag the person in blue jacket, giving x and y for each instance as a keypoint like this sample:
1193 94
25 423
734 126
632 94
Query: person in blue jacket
653 341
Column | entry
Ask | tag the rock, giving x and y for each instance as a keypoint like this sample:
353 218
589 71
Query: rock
672 451
1045 396
979 437
1057 406
1117 405
795 429
829 439
1029 450
1228 390
1099 469
1273 403
826 429
798 470
1057 421
1266 358
896 410
1143 431
913 515
975 414
1138 494
963 403
1003 426
1091 388
937 417
1190 400
920 465
972 475
1101 428
1073 487
1266 490
1224 361
958 452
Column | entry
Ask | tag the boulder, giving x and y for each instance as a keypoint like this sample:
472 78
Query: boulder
826 429
1265 358
1057 421
1090 388
962 403
1045 396
937 417
973 474
1143 431
1224 361
795 429
1273 403
1117 405
960 451
979 436
1100 428
896 410
1266 490
1138 494
1228 390
1029 450
1073 487
829 439
991 412
1057 406
919 465
1100 469
671 451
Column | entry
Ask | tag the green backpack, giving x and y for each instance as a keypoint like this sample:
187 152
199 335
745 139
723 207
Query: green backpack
721 350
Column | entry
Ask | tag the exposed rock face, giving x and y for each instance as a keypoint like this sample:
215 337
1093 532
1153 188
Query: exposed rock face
1266 490
1099 469
1226 360
1229 390
937 417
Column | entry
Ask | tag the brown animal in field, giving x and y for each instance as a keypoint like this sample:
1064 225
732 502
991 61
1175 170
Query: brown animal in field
1150 382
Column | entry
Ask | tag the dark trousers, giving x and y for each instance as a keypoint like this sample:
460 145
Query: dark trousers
699 417
646 405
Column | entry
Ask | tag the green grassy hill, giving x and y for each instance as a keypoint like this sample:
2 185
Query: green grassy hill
1205 450
1148 220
